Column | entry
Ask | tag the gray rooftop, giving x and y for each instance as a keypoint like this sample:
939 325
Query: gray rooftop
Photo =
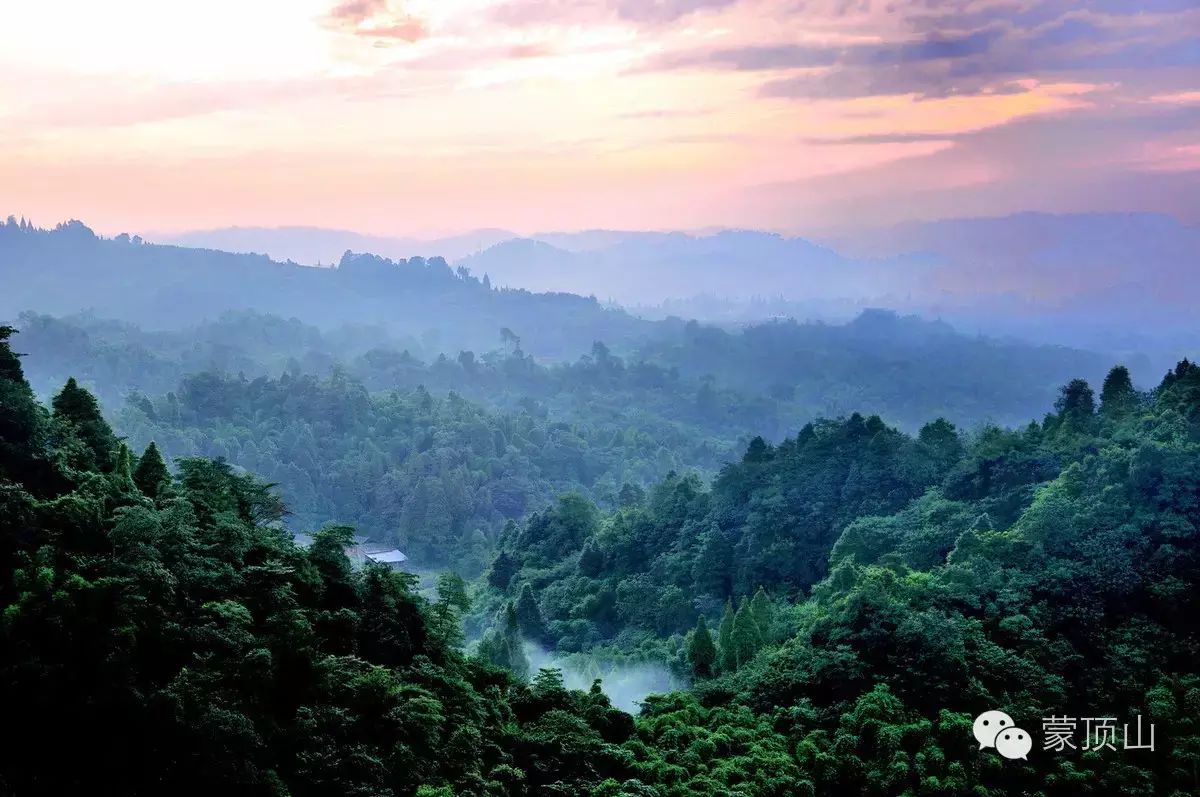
392 557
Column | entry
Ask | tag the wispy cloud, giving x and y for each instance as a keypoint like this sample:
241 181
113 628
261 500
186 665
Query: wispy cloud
870 139
377 19
1095 158
942 49
571 12
667 113
602 112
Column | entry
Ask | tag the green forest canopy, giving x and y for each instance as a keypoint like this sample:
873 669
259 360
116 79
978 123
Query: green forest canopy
1047 569
437 456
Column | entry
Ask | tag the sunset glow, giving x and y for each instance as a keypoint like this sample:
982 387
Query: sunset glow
432 116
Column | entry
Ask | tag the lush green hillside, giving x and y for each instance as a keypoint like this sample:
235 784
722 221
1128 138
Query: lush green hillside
1050 570
169 614
437 476
901 368
436 456
871 592
767 379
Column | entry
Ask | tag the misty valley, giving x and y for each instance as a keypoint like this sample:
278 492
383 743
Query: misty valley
600 398
390 527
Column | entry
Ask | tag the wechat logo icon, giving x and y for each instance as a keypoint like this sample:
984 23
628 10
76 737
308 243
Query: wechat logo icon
997 729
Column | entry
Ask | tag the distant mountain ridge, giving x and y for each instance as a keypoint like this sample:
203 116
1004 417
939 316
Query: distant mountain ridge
313 246
1121 283
1117 281
1007 273
628 267
70 270
655 267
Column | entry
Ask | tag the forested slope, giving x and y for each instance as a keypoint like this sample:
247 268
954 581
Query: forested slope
167 619
766 379
871 592
1050 570
435 456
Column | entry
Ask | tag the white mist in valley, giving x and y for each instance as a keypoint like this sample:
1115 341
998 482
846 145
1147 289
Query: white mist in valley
626 684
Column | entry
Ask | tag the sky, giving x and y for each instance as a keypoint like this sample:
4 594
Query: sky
422 117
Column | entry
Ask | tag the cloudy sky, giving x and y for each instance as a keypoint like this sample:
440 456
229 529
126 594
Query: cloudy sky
431 116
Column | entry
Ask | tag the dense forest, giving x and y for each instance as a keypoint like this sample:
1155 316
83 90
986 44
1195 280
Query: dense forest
844 602
766 378
600 398
141 317
436 456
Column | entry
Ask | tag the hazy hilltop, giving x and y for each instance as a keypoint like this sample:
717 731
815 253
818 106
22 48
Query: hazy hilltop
416 399
1121 282
649 268
905 369
630 267
1108 280
1038 240
313 246
69 269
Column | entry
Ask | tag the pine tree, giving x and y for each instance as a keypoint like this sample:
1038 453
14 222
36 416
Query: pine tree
10 362
760 609
710 571
502 646
630 495
452 590
328 555
22 420
1117 396
757 451
940 438
591 559
701 651
150 475
514 648
746 637
452 603
529 614
725 639
123 468
1076 403
504 567
77 410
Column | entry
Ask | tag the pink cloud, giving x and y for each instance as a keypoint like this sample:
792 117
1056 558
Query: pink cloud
638 12
377 19
531 50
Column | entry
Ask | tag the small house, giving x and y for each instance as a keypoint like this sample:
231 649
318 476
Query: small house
392 558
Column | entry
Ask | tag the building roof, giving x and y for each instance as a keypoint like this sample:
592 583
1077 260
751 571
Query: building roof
392 557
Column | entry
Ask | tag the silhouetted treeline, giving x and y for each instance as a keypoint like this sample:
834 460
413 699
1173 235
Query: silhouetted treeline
69 269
